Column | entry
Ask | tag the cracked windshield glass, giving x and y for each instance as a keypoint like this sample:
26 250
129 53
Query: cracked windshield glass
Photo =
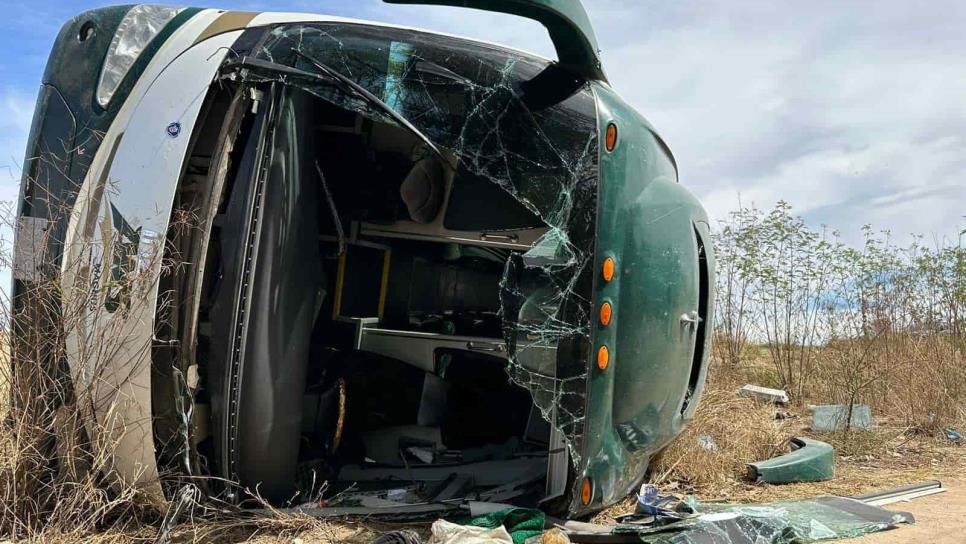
472 101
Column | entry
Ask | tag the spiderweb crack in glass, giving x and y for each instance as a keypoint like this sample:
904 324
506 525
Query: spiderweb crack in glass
468 98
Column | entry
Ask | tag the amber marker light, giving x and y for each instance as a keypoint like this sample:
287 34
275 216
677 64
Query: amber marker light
605 313
611 137
607 270
603 357
586 491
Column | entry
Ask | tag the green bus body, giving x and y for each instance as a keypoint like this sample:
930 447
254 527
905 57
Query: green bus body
653 229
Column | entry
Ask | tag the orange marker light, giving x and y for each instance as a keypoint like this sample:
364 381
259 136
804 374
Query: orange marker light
603 358
605 313
610 139
608 269
586 491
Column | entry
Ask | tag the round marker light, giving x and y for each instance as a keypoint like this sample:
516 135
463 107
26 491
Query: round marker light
586 491
610 139
607 270
603 357
605 313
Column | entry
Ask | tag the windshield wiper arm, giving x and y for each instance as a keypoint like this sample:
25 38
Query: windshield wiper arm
252 62
364 93
328 75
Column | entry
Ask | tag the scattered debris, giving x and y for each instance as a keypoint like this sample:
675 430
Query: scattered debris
835 417
781 416
551 536
812 520
904 493
520 523
398 537
811 461
650 503
707 443
669 520
774 396
445 532
953 435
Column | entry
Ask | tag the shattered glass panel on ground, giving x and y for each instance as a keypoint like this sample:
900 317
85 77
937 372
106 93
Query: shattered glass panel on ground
822 518
478 105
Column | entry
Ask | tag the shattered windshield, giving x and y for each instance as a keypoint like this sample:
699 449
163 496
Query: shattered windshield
472 100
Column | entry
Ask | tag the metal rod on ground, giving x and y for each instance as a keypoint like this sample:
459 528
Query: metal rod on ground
902 493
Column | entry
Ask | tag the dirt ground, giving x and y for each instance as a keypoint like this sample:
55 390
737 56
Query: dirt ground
940 519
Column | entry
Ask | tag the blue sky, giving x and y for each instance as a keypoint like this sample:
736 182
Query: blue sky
855 114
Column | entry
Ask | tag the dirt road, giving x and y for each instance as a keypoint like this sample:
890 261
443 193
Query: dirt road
940 519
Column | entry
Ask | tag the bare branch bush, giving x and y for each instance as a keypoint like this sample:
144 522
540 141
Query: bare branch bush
734 245
71 347
879 324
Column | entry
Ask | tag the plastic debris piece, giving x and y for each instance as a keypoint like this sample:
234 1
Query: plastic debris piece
707 443
775 396
424 454
444 532
953 435
836 417
651 503
811 461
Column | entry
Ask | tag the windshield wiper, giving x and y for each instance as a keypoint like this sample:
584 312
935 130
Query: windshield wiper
424 66
364 93
331 76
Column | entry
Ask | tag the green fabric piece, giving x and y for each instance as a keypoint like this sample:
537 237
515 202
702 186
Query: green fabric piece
521 523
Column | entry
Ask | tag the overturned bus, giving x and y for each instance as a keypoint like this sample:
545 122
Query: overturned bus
417 268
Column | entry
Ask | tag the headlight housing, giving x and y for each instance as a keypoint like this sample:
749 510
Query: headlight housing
138 27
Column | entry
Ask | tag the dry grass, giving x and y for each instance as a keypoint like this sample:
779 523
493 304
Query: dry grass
713 451
78 505
86 509
920 387
902 448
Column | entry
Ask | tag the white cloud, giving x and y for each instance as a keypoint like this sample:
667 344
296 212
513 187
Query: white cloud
854 115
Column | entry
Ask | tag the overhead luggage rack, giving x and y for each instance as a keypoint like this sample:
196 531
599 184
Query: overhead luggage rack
523 239
419 348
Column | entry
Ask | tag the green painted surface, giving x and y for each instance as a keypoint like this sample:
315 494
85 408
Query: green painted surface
813 461
649 224
566 20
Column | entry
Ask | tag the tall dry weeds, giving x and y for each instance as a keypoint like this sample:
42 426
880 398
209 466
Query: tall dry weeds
58 470
727 433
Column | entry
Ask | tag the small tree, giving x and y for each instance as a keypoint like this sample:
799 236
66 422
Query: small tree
790 267
735 252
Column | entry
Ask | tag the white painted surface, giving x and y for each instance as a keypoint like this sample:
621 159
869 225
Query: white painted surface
109 353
